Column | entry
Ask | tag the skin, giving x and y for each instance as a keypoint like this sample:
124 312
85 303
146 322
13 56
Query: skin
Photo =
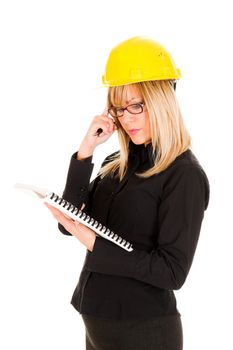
136 121
85 235
128 121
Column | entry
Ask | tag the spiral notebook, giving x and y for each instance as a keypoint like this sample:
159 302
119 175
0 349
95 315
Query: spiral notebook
76 214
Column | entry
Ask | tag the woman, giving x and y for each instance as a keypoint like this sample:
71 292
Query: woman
153 192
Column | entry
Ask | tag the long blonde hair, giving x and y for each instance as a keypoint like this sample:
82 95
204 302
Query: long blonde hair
169 136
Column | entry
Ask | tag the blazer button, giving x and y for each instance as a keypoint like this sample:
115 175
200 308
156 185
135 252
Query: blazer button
82 189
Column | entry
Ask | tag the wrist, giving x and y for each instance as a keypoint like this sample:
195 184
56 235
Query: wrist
84 153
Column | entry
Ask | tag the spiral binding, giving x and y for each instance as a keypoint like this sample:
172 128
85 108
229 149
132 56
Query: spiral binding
79 215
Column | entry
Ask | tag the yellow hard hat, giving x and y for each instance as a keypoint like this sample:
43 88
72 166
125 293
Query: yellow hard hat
139 59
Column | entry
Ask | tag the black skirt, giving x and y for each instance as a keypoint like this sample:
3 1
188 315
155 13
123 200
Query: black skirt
162 333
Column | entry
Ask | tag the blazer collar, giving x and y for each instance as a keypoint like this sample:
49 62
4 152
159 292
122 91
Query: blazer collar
143 153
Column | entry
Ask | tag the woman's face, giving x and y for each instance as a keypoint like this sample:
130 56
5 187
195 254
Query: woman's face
138 124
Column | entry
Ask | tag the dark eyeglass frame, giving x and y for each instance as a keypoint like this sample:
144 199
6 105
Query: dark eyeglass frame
116 110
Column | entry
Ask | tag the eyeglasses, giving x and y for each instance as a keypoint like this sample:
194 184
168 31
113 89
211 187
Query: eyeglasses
118 112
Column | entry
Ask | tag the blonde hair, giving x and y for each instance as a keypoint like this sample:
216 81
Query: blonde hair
169 136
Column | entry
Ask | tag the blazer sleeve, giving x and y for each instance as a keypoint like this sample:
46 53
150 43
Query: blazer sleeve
183 202
78 189
77 183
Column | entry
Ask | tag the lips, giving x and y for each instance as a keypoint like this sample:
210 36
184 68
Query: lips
133 131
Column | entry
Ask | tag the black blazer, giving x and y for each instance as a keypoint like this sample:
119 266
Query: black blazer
161 216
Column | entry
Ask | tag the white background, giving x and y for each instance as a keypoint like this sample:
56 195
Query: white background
53 54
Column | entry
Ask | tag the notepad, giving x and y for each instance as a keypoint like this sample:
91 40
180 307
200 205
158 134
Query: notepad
76 214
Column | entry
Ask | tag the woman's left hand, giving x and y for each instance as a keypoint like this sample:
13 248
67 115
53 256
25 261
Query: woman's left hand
84 234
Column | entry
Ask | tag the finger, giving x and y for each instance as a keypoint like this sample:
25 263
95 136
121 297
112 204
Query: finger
105 111
105 118
72 226
108 123
66 222
52 208
59 216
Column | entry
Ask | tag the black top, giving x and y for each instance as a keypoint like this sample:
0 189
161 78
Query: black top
161 216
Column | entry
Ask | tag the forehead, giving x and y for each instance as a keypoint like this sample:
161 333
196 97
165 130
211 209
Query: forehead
132 92
121 95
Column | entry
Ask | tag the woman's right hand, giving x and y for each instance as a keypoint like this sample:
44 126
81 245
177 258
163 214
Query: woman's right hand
92 139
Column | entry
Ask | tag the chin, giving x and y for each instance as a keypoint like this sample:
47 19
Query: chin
138 141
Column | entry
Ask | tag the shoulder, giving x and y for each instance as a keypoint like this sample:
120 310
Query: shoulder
186 158
186 162
185 173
